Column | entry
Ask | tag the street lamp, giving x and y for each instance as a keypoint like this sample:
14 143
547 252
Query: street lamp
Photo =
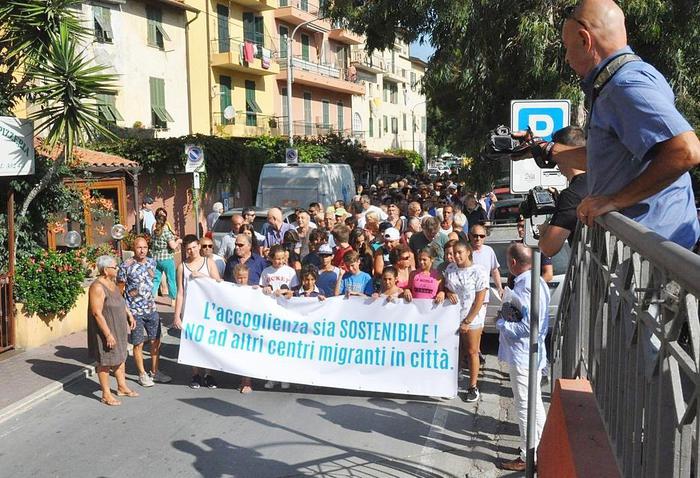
413 132
289 76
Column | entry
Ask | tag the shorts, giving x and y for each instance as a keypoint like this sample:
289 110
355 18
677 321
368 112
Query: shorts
478 322
147 328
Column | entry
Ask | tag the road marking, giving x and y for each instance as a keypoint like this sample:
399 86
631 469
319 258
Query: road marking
428 453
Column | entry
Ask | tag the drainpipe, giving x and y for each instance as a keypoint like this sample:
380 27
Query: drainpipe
189 85
209 98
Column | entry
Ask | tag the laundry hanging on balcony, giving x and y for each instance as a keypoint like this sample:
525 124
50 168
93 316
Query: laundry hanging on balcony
248 52
266 58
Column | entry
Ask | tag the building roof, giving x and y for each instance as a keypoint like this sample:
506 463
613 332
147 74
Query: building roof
178 4
418 61
87 159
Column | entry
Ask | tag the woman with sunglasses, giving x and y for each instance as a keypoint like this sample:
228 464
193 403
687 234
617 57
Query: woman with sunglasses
360 243
249 231
402 260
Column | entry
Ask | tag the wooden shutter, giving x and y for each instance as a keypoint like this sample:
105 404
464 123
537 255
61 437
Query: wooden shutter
249 27
341 122
222 23
225 97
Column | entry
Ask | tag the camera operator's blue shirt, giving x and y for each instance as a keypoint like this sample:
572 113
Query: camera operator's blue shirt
634 112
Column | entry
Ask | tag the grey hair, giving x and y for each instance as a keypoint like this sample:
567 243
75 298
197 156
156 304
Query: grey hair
103 262
459 219
430 224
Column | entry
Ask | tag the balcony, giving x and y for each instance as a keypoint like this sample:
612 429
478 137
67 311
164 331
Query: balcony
296 12
366 62
343 35
258 5
229 54
322 75
310 129
393 73
245 125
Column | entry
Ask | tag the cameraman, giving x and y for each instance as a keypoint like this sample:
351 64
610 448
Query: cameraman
563 223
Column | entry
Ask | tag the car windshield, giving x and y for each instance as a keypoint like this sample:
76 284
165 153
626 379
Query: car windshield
223 224
560 261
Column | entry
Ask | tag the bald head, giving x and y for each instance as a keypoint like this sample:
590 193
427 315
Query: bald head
594 31
519 258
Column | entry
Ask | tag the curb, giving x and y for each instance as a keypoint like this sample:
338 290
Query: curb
27 402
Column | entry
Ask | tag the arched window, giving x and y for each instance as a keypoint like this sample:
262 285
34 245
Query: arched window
356 122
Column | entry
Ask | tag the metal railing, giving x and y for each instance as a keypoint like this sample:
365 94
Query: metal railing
373 61
303 5
6 313
247 123
628 322
224 45
306 128
320 68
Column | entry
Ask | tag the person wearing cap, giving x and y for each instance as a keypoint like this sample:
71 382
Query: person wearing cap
392 238
148 219
328 274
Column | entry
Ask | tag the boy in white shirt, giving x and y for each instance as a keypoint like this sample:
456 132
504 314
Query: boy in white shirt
278 273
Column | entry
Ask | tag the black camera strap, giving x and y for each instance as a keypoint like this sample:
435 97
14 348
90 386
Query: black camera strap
602 78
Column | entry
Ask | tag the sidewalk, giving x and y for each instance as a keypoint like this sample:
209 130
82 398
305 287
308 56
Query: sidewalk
27 377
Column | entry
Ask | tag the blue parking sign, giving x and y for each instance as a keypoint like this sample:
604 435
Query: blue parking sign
544 117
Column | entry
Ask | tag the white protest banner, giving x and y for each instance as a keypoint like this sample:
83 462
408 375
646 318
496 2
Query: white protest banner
356 343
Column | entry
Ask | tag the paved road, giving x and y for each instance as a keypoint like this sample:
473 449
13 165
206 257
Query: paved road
173 431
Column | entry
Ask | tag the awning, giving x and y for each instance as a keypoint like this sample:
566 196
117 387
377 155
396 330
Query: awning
87 159
379 155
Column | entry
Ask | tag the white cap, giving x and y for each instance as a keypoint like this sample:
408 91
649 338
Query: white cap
392 234
325 249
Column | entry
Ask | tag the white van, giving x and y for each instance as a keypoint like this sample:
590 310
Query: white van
298 186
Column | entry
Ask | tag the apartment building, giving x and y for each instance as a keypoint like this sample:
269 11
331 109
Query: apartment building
324 79
391 114
144 44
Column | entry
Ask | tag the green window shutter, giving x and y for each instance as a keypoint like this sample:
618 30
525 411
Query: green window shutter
386 125
326 113
103 24
371 127
284 3
341 122
404 121
111 102
259 31
304 5
103 108
284 32
222 14
305 47
249 27
151 16
252 108
423 124
225 97
157 86
307 113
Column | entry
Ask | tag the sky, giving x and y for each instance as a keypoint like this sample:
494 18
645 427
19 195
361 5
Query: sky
421 51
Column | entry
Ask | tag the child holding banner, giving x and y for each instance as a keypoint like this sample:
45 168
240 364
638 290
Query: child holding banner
328 275
354 281
425 283
309 276
389 289
278 273
240 275
467 283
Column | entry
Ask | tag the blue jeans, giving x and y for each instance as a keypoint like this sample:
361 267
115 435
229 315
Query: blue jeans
167 266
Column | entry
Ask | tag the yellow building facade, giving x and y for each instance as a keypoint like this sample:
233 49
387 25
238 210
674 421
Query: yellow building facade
233 62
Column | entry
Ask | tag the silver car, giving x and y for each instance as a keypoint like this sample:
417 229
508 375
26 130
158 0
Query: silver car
500 237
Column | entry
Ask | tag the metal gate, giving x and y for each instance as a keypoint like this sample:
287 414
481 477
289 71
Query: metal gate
7 319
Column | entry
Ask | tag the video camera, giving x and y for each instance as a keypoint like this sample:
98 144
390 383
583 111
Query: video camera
539 202
502 141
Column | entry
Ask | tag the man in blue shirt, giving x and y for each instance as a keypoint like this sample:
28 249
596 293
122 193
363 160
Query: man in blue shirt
274 234
639 148
514 344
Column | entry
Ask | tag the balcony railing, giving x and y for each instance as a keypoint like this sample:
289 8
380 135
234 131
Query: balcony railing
305 128
267 42
628 322
305 6
323 69
373 61
245 123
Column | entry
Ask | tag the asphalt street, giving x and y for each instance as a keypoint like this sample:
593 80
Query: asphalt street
174 431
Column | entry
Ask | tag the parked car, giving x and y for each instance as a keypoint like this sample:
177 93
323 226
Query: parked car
506 211
500 237
222 226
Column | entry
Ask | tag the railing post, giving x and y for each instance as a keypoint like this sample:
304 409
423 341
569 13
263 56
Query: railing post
533 371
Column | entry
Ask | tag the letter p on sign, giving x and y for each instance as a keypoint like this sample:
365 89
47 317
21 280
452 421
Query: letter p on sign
544 117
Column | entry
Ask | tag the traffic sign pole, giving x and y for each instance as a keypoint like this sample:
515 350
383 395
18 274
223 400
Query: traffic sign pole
194 163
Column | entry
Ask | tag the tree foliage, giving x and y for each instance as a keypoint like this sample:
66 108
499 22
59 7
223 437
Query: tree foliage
490 52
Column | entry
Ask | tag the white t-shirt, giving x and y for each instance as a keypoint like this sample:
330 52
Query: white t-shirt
276 278
486 258
466 282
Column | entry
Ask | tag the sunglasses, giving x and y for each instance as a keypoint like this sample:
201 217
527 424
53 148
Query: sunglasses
207 246
405 258
569 15
479 236
240 245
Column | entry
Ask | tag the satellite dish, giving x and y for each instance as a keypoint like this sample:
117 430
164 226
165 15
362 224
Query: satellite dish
73 239
229 112
118 232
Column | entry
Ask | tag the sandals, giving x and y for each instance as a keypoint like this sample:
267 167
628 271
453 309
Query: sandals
112 402
246 389
130 393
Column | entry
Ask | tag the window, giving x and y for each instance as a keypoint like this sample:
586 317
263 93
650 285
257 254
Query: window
305 47
413 79
251 106
391 93
356 123
103 24
307 113
225 97
156 33
304 5
326 113
107 110
386 125
371 127
284 3
222 22
341 119
404 121
284 33
159 115
423 124
285 111
394 125
253 29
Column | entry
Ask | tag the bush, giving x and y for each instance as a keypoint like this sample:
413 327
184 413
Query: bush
49 282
